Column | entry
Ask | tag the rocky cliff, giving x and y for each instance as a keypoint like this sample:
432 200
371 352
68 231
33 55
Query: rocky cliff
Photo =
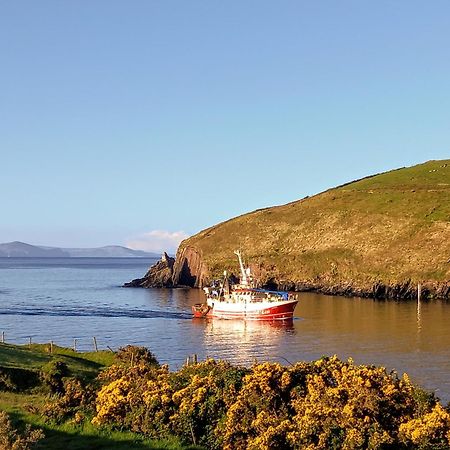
378 237
159 275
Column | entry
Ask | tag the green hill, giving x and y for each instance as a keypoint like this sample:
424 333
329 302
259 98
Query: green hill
378 236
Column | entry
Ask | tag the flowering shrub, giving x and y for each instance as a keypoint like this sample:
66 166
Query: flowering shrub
326 404
132 395
203 394
259 418
188 403
11 439
132 354
75 398
348 406
432 429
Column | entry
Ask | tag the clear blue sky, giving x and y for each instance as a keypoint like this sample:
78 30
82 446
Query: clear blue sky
120 118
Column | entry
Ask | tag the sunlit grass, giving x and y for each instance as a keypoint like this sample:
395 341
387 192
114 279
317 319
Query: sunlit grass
24 407
388 228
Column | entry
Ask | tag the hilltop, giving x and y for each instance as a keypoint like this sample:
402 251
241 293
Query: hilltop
378 236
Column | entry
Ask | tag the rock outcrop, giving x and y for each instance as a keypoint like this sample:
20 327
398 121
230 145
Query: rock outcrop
189 268
159 275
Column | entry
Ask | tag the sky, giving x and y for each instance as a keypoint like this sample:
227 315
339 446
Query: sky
140 123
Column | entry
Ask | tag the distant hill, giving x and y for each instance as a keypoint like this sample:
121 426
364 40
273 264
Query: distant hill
378 236
114 251
21 249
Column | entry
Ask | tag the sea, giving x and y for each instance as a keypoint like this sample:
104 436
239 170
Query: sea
72 300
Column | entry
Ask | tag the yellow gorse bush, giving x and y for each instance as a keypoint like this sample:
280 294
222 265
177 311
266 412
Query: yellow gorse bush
326 404
431 429
12 439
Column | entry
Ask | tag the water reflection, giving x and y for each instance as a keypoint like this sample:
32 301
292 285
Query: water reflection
419 322
244 342
242 326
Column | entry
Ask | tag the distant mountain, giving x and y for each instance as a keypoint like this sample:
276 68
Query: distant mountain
23 250
109 251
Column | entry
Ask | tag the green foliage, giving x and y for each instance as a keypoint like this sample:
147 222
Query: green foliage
17 380
189 403
12 439
52 375
76 400
85 365
132 354
65 417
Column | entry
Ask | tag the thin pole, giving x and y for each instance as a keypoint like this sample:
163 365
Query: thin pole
75 345
192 434
3 337
95 343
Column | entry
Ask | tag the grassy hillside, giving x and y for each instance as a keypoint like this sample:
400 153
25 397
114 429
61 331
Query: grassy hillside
385 229
24 396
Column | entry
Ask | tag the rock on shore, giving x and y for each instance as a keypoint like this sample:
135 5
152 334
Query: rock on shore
159 275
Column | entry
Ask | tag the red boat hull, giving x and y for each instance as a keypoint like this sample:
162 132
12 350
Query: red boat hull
276 312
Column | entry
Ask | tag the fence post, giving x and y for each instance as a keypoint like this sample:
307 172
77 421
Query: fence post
95 343
51 347
3 337
29 341
75 345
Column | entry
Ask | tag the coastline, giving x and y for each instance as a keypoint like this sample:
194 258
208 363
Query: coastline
188 270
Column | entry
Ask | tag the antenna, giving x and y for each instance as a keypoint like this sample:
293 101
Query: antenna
241 265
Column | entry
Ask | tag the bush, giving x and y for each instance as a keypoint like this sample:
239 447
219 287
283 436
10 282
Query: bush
13 379
327 404
52 375
133 355
432 430
75 400
11 439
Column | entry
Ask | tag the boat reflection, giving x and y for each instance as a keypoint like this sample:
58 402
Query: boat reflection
244 342
244 325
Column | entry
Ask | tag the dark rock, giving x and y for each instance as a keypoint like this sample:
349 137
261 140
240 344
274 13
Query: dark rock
159 275
189 269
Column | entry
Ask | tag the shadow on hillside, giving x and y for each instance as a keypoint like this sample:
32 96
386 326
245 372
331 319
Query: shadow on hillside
13 356
55 439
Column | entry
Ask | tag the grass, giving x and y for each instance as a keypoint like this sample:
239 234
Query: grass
23 407
34 357
70 436
388 228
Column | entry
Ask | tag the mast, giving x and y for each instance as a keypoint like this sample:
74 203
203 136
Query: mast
244 280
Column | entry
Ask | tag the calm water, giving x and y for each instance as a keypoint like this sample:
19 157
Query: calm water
62 299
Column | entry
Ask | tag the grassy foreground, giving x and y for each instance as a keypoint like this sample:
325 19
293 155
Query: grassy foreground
24 397
127 400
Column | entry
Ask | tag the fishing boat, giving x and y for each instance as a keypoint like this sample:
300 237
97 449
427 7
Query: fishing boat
245 301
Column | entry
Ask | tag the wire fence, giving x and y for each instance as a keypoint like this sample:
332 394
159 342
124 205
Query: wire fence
94 344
